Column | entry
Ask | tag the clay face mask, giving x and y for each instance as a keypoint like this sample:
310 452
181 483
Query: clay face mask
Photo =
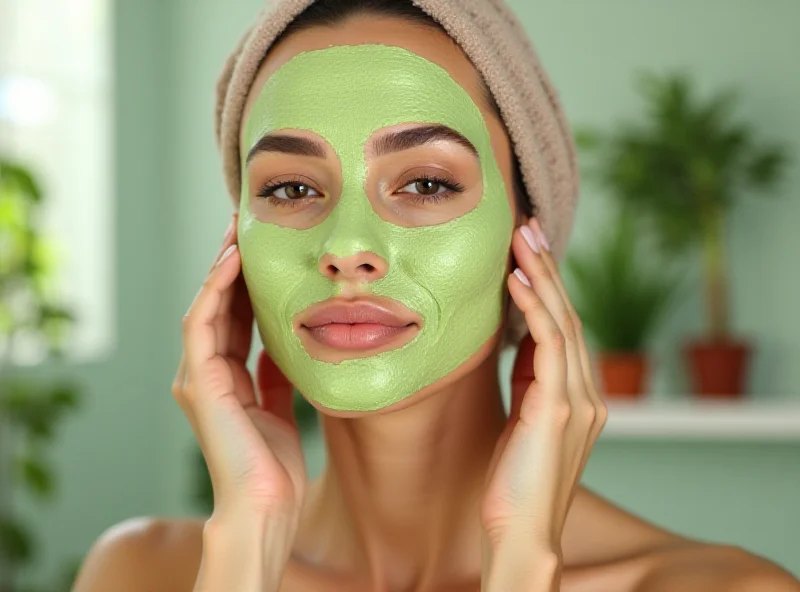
451 274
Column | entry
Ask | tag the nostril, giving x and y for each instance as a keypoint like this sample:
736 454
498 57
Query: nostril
332 270
367 268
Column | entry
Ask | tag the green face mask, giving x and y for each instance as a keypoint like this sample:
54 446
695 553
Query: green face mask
451 274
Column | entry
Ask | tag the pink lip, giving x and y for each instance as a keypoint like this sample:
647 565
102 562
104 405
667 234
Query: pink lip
357 325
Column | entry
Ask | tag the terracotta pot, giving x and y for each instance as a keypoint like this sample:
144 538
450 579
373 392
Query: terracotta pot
718 368
623 374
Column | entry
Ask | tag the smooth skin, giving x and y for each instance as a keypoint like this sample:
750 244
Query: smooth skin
440 492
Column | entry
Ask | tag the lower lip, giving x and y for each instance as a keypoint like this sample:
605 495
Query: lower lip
358 336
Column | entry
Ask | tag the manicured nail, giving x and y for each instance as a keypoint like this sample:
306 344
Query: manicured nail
228 252
522 277
527 234
540 234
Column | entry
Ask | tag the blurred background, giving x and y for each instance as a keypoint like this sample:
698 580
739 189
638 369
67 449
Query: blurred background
683 259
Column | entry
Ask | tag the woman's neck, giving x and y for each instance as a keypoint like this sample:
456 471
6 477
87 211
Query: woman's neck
398 503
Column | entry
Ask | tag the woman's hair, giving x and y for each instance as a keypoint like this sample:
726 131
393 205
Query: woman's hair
330 13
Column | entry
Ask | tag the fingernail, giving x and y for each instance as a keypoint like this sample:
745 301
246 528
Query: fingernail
522 277
228 252
527 234
540 234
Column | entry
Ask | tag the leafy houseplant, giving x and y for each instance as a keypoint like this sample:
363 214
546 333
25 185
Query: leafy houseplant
620 304
29 410
683 165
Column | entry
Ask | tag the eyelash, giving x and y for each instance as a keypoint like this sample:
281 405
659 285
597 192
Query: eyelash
269 188
453 187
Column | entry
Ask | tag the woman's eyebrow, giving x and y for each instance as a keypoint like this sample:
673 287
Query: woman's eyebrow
419 136
286 144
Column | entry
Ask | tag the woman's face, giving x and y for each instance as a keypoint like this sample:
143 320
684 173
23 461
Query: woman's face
376 216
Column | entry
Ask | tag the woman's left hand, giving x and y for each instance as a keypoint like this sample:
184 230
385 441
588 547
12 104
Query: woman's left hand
556 416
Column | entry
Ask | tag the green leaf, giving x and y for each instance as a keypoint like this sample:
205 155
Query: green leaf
21 179
684 157
619 301
25 406
15 396
588 139
36 408
16 542
36 476
53 323
64 397
766 167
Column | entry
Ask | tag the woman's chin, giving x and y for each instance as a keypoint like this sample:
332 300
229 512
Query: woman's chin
484 353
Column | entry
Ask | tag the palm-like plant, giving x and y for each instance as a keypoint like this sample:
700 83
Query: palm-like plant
683 166
619 300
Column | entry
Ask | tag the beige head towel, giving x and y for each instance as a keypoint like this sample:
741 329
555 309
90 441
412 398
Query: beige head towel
497 45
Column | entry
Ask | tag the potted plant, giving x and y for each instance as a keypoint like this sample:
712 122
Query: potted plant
29 409
683 165
620 303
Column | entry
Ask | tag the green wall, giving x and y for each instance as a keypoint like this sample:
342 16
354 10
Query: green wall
128 452
740 493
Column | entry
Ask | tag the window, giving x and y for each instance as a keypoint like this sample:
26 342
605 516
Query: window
55 118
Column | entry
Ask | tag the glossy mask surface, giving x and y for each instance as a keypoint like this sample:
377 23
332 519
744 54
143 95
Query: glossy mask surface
451 274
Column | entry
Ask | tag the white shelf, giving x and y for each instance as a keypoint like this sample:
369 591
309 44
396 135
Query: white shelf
765 420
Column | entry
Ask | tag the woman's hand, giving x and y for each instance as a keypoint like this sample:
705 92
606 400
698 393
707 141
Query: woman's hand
251 447
556 416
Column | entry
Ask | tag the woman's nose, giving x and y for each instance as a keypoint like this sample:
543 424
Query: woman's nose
364 266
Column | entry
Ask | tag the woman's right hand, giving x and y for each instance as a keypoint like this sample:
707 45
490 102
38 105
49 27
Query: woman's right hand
252 448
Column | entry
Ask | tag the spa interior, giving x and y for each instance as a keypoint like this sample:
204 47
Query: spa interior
113 206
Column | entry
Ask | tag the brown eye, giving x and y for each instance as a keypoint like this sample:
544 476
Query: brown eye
297 191
427 187
289 191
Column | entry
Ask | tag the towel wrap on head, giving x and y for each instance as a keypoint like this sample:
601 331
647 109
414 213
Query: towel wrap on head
495 42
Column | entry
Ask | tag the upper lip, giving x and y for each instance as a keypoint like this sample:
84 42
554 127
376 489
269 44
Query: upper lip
381 311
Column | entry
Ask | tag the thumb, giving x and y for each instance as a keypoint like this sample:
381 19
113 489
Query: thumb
277 393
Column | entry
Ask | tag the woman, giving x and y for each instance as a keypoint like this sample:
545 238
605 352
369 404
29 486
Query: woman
390 228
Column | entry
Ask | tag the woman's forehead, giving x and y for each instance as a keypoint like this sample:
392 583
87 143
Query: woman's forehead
375 86
434 46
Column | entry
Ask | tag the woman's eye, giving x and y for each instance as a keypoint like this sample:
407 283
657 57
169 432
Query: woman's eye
425 187
294 191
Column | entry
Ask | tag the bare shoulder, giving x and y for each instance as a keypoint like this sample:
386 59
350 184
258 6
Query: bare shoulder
606 546
713 568
144 555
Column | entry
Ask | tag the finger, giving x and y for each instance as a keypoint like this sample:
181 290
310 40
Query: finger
583 354
227 241
277 393
576 321
588 410
549 361
231 238
531 250
200 339
528 252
